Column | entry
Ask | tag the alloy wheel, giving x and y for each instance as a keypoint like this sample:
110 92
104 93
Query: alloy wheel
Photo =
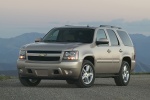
87 74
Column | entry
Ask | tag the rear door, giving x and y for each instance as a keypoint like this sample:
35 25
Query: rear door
116 51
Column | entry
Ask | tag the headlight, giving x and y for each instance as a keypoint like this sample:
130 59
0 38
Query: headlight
70 55
22 54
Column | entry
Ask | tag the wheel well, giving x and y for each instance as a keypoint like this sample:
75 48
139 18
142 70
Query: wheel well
127 59
90 58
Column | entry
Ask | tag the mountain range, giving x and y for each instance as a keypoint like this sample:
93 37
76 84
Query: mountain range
9 50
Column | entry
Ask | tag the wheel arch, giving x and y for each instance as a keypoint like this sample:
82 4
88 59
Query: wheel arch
127 59
90 58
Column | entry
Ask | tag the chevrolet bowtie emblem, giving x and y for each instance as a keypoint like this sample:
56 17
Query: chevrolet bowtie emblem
43 55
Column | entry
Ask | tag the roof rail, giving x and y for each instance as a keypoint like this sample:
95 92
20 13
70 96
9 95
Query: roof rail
73 25
109 26
68 25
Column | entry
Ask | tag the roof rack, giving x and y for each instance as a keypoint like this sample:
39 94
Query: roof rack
68 25
109 26
73 25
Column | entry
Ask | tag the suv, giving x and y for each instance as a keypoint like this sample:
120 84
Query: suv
78 55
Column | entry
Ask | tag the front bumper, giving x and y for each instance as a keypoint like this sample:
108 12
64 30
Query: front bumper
44 70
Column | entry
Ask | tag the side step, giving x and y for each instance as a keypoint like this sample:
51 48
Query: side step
104 75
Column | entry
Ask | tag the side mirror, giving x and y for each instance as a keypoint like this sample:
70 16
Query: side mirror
102 41
38 40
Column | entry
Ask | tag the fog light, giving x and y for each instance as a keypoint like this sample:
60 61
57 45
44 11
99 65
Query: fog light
20 70
66 72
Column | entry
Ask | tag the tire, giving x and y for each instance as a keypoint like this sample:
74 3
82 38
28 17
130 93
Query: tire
87 75
29 82
70 81
124 75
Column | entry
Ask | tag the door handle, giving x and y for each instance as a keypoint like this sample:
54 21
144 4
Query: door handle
120 50
108 50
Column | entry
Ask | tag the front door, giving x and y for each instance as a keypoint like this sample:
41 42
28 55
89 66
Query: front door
103 55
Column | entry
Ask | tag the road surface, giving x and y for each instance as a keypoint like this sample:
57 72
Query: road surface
103 89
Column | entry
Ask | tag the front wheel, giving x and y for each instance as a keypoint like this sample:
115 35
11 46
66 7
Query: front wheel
124 75
29 82
87 75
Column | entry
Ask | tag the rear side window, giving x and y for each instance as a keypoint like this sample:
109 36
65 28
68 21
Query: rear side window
113 38
125 38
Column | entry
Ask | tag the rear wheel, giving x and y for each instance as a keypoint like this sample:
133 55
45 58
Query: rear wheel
87 75
124 75
29 82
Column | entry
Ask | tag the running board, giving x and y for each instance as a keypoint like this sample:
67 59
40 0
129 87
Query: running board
103 75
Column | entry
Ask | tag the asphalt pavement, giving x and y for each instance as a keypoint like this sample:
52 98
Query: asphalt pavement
103 89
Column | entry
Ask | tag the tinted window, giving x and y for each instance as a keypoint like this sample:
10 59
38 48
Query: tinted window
54 35
113 38
125 38
101 34
83 35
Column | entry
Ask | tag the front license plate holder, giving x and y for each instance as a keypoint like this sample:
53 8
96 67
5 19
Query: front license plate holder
40 72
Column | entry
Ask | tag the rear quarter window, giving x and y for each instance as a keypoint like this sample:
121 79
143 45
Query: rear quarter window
125 38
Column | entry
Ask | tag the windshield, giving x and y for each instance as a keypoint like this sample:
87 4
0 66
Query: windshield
83 35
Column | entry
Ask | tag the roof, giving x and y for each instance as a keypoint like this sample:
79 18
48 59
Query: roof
90 27
71 26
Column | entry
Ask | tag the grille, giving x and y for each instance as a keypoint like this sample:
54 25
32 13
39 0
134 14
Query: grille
50 52
38 58
34 55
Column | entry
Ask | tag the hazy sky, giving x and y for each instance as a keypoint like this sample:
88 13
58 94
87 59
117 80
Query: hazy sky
22 16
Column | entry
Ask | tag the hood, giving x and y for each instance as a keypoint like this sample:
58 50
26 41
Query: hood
51 46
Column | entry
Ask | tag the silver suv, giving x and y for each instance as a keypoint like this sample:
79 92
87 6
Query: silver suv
78 55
